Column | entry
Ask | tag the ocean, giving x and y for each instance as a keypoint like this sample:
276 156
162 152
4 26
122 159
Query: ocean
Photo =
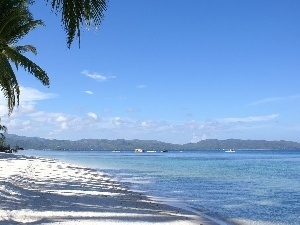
245 187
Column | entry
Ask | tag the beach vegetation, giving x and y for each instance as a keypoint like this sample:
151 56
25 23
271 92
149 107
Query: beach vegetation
2 137
3 146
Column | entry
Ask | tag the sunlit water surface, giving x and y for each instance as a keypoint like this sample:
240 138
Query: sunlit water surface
245 187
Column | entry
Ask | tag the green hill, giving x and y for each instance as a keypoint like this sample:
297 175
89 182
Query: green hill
121 144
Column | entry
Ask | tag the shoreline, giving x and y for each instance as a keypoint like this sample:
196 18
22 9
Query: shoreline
47 191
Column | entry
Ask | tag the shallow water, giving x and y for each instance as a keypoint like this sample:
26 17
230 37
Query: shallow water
245 187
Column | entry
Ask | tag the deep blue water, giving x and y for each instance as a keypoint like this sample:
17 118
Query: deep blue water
245 187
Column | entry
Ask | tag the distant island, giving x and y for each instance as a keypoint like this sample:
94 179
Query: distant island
121 144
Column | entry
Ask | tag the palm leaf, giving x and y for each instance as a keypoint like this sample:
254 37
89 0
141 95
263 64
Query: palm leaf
76 13
4 129
26 48
16 21
8 83
27 64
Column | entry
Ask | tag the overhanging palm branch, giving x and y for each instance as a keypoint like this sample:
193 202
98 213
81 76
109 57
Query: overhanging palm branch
76 13
15 22
8 82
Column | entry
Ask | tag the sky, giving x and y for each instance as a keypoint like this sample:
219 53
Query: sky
173 71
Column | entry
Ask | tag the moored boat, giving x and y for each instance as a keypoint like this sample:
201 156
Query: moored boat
138 150
230 150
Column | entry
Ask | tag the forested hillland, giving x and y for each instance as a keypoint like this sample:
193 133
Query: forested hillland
121 144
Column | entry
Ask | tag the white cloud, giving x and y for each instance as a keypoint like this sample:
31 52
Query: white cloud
147 124
3 110
273 99
29 94
97 76
92 115
89 92
117 121
266 100
191 123
141 86
198 137
27 120
106 110
66 126
61 118
28 99
132 110
251 118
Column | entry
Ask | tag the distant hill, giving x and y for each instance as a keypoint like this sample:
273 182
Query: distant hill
121 144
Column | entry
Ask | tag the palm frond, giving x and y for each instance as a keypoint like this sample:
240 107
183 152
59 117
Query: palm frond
8 83
76 13
26 48
3 129
28 65
24 29
15 23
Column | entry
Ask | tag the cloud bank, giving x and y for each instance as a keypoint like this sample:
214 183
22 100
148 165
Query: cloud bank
27 120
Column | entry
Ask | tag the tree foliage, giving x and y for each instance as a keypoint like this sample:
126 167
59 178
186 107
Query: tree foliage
16 21
2 137
121 144
78 13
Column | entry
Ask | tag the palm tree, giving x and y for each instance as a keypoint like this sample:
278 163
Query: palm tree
2 137
16 21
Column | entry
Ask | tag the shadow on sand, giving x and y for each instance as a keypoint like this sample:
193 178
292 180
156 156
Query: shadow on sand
47 191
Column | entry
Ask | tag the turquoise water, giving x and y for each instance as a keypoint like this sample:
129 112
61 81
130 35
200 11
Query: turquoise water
245 187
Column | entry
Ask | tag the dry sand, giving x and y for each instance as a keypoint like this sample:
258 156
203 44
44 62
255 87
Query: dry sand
45 191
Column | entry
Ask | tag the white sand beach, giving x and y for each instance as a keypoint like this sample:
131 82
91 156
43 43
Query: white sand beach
45 191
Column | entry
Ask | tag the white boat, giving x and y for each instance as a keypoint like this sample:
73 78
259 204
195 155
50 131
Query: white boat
139 150
230 150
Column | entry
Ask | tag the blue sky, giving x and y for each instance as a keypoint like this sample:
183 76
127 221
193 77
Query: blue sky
174 71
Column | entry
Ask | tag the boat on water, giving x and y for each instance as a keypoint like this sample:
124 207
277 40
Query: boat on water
230 150
138 150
